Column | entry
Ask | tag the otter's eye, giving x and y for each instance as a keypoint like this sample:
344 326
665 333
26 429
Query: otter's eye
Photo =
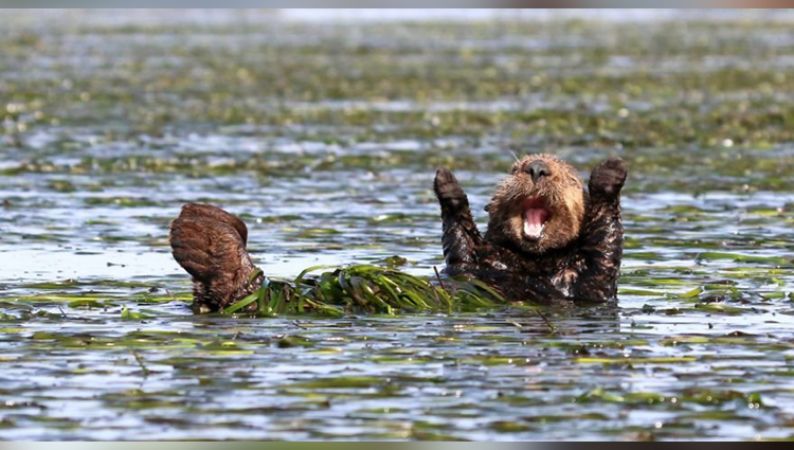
514 170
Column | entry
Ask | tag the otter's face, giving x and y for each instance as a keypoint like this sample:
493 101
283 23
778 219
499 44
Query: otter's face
539 206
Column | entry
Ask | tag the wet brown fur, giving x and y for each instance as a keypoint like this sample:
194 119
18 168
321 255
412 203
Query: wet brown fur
563 195
209 244
577 259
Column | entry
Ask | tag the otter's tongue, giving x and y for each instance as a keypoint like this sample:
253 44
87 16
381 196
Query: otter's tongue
534 219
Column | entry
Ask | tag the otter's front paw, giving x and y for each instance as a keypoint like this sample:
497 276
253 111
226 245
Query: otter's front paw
608 177
448 191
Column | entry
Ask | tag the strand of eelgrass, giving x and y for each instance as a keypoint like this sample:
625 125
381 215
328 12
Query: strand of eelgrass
364 289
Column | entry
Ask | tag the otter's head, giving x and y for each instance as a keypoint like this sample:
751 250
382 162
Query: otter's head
539 206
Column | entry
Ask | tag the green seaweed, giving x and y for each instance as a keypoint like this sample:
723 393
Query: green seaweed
366 289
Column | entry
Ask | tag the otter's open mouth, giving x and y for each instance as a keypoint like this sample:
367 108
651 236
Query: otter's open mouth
535 217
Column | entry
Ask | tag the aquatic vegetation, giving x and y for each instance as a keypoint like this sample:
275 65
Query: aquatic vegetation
324 138
366 289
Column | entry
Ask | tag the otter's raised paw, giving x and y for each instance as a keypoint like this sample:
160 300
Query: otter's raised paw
608 177
448 191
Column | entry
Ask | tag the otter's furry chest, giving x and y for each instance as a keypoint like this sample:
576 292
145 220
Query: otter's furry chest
520 275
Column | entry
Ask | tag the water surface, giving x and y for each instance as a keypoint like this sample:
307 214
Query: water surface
324 137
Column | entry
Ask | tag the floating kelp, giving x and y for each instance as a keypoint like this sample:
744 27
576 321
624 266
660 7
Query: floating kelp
367 289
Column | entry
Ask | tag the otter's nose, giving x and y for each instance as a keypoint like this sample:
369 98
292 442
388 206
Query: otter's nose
537 169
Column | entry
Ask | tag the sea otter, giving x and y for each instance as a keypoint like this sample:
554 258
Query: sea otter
547 241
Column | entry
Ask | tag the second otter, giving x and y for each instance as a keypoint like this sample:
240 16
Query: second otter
548 240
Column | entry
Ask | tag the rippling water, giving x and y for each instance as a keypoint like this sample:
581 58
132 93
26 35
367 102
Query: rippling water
324 138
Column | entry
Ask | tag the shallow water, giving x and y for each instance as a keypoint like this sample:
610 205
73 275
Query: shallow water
324 138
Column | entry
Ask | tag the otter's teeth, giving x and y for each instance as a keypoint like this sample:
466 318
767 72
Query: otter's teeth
533 230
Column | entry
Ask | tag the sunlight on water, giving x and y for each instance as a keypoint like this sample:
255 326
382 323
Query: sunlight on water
324 138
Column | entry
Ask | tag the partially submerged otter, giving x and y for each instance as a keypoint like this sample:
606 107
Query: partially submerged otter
548 239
